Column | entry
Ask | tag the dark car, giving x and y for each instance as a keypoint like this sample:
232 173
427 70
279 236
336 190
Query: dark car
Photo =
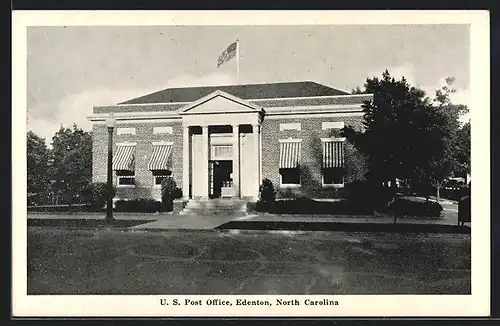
464 210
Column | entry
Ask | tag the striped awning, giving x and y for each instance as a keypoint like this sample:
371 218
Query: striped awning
333 154
160 160
289 155
124 158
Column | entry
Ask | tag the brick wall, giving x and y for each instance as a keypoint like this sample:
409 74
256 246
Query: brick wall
144 137
311 155
310 133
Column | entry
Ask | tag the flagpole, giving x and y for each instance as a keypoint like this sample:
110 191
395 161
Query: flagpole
237 61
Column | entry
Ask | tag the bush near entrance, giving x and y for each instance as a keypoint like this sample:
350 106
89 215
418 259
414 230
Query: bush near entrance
267 196
169 192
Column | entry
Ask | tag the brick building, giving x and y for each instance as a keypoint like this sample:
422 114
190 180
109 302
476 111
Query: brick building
223 141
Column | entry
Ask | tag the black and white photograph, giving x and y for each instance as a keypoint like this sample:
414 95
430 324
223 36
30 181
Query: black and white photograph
236 165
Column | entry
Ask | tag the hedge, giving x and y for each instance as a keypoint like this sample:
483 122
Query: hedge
138 206
400 207
309 206
409 207
64 208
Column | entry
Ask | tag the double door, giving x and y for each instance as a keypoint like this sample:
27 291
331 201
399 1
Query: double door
220 178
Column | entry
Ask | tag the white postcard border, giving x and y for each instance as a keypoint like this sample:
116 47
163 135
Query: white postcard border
476 304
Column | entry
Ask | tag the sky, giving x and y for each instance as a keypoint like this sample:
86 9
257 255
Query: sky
71 69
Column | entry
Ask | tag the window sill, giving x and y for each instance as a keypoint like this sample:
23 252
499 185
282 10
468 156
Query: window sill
333 185
290 185
125 186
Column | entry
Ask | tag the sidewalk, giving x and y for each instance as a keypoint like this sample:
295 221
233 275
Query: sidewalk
260 221
142 220
443 220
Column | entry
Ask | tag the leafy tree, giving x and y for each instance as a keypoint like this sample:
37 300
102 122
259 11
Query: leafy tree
357 90
390 136
462 150
446 144
72 162
461 133
437 161
409 137
37 163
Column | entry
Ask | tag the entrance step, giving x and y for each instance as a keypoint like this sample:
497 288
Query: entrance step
215 207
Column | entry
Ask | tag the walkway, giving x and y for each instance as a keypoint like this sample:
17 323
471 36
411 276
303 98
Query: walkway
185 222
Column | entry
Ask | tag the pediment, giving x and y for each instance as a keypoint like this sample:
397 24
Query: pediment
220 102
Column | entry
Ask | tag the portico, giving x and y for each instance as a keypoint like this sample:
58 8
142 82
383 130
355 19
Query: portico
221 148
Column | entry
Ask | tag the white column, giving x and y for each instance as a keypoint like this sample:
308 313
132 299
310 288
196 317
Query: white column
255 130
204 178
185 162
236 161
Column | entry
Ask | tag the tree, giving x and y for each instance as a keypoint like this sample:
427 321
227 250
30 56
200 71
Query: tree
462 150
37 163
446 143
461 133
437 161
409 137
357 90
390 136
72 162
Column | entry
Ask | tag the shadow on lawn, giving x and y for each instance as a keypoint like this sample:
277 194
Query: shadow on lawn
83 223
345 227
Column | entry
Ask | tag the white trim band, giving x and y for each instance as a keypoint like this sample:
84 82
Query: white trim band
333 139
126 144
162 143
290 140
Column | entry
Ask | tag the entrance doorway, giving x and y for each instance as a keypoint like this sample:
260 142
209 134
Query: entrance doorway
220 178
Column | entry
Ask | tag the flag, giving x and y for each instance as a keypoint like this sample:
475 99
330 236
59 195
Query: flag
227 54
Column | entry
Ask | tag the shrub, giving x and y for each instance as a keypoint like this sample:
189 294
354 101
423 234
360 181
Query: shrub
97 193
169 192
62 208
407 207
267 195
304 205
367 197
141 205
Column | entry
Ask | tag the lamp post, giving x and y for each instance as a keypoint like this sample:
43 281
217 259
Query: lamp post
52 192
110 123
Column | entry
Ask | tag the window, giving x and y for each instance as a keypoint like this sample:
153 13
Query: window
332 125
222 152
162 130
333 176
159 176
290 176
125 178
289 126
333 162
289 162
125 131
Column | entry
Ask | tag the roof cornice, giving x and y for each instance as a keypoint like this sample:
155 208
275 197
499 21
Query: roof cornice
247 100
